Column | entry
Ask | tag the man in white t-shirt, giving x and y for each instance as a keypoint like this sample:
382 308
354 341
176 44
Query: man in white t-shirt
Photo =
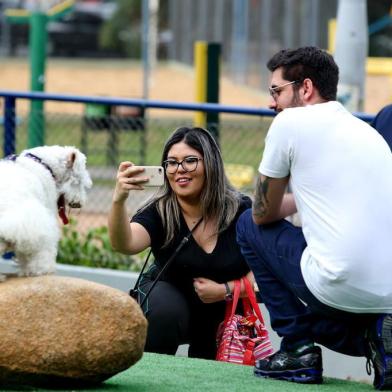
329 281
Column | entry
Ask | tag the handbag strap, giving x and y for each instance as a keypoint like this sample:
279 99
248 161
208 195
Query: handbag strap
249 302
170 260
231 306
252 299
236 296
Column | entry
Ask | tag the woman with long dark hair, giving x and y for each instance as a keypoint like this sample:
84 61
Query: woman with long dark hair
188 302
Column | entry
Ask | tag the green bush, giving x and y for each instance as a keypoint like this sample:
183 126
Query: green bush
93 249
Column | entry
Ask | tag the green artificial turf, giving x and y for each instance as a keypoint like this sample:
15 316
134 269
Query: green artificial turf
162 373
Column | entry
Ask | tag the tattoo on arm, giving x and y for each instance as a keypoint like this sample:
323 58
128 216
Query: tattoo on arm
260 204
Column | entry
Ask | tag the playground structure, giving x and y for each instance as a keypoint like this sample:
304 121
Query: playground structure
38 19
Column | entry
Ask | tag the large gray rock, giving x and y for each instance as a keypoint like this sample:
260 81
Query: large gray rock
58 331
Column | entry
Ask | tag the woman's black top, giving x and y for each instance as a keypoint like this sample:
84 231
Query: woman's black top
224 263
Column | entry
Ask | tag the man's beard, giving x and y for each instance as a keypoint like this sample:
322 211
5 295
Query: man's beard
296 101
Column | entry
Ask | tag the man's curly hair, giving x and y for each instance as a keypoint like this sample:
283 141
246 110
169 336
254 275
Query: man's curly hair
308 62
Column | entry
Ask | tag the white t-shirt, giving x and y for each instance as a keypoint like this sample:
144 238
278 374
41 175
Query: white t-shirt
341 177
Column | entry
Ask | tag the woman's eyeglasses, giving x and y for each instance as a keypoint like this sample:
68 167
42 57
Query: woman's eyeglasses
189 164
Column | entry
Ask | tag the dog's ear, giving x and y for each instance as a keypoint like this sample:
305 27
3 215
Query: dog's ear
71 160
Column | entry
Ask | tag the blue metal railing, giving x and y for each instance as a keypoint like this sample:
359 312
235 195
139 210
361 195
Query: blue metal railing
10 98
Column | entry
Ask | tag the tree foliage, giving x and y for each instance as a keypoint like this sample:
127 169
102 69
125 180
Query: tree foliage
93 249
122 32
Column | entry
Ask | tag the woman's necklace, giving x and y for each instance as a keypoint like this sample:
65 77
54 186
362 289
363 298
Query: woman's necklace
191 219
191 214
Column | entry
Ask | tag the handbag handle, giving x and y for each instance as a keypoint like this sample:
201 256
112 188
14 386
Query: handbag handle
250 302
236 296
231 306
252 299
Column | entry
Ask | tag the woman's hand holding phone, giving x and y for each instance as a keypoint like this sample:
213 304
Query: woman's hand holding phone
132 177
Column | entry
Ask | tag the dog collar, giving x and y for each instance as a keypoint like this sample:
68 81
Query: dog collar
34 158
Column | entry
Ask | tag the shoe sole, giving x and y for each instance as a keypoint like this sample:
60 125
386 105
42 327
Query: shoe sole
385 334
383 361
302 376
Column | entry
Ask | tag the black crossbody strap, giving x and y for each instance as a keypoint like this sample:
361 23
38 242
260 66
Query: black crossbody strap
169 261
142 270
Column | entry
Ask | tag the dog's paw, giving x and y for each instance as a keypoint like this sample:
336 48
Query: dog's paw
7 275
3 278
23 274
27 273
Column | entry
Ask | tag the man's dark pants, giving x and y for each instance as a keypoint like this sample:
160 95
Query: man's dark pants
273 253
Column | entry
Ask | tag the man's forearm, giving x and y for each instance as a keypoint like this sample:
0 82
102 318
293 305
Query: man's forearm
260 204
269 205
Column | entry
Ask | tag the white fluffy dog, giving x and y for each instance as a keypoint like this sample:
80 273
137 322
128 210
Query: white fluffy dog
35 187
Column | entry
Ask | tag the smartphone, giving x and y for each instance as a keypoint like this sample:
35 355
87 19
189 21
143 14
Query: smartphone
155 175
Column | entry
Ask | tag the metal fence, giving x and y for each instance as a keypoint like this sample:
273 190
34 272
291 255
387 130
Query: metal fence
109 131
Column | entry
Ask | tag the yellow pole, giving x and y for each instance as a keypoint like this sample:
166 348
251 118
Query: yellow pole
200 52
331 35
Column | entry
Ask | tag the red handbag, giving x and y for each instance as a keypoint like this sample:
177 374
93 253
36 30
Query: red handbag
243 339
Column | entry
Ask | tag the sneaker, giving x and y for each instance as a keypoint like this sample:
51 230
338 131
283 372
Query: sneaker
304 367
380 345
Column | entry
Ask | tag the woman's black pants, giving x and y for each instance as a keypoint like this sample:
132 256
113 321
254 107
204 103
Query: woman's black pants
175 318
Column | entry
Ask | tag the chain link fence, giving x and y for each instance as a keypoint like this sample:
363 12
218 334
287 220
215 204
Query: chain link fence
110 134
